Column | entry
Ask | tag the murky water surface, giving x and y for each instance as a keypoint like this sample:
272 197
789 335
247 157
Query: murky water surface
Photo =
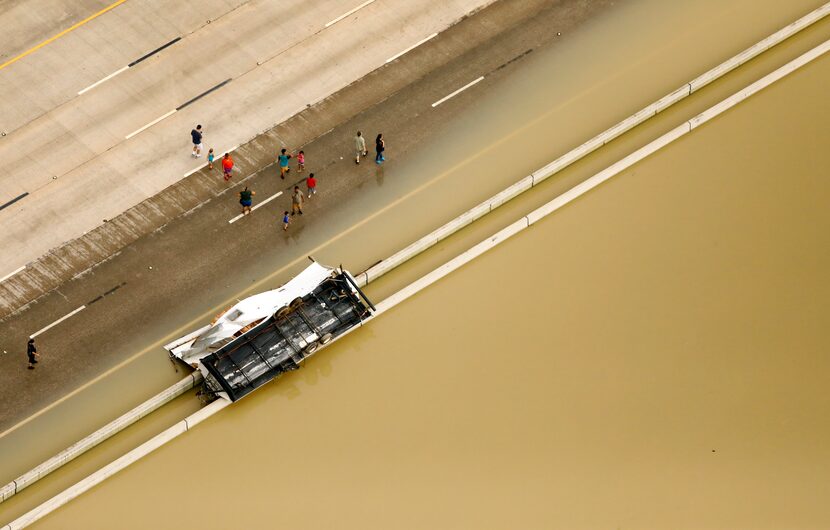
651 356
389 426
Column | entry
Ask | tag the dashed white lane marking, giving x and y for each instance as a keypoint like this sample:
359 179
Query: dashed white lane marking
12 273
58 321
95 84
460 90
389 60
150 124
217 161
344 15
263 203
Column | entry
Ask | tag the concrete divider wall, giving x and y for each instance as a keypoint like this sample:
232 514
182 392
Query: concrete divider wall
759 47
597 179
117 465
105 432
384 266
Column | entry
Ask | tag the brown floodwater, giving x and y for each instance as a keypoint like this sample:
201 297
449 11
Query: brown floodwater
651 356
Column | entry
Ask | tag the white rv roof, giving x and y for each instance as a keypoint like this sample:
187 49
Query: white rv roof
196 345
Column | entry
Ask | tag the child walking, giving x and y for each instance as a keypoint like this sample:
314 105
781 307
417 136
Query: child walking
285 220
311 182
210 158
300 161
227 166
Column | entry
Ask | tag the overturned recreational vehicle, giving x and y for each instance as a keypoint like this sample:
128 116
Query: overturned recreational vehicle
262 336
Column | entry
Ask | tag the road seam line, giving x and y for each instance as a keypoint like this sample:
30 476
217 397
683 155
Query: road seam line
460 90
263 203
150 124
194 170
348 13
58 321
389 60
205 93
95 84
9 275
22 195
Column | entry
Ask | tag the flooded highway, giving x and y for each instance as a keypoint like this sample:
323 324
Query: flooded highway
633 350
651 356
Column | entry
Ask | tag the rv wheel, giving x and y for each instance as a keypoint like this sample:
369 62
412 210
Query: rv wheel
325 339
311 348
295 303
282 312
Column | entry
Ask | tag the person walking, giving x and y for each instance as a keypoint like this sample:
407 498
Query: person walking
359 147
31 352
282 160
210 158
246 199
227 166
297 200
300 162
380 147
285 220
311 183
196 135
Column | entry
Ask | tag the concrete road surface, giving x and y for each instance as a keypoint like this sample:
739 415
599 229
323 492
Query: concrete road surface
73 161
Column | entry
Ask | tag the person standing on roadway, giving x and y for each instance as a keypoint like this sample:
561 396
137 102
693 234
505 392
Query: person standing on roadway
282 160
246 199
31 352
227 166
380 147
196 135
359 147
311 182
297 201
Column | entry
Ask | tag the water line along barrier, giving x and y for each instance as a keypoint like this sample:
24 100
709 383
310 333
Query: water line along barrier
579 152
442 271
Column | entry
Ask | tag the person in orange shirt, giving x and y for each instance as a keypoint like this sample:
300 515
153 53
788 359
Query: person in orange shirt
227 166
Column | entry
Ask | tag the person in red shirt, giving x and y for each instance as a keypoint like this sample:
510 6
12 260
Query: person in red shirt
227 166
311 182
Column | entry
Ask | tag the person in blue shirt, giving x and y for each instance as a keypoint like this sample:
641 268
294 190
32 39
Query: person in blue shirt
282 160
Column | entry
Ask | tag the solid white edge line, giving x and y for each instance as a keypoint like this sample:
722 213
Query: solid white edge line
389 60
195 169
58 321
263 203
460 90
150 124
12 273
95 84
344 15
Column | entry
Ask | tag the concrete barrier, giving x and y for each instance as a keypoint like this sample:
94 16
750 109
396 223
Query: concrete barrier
384 266
604 175
116 465
105 432
432 277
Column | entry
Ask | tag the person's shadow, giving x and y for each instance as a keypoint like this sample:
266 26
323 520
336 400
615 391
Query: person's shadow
379 175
